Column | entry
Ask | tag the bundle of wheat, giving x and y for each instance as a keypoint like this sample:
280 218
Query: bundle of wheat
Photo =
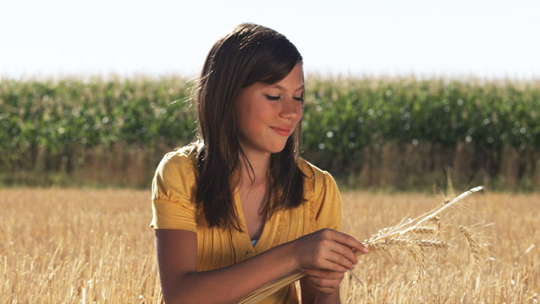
412 236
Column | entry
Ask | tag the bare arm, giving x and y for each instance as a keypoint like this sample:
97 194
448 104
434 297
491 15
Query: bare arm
180 281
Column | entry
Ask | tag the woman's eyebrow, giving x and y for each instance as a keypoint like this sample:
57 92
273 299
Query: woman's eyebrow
277 86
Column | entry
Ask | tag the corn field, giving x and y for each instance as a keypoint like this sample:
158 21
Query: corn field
404 133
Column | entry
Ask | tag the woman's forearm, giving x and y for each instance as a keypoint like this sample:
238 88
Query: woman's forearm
229 284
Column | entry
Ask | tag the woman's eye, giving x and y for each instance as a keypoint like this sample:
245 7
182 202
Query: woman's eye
271 97
301 99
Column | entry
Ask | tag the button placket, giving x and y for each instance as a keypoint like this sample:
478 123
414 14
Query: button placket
250 254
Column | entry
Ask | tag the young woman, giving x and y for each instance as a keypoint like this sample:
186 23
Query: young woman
238 208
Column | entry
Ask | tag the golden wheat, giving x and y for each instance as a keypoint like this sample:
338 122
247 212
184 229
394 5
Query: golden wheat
408 236
78 246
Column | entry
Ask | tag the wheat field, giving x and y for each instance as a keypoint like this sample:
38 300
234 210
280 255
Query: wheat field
80 246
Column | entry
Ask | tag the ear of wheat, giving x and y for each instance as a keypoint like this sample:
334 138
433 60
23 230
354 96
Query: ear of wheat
412 236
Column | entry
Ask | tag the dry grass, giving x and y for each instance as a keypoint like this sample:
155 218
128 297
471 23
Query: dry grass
511 272
72 246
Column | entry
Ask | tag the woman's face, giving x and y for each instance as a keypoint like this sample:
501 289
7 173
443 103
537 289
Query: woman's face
268 113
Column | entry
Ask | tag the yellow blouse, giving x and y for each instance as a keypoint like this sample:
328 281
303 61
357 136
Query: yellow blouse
173 206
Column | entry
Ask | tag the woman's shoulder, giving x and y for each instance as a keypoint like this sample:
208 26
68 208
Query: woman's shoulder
315 176
322 195
309 169
179 157
175 175
177 164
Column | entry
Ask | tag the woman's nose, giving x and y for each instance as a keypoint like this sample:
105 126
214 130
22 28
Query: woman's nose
291 108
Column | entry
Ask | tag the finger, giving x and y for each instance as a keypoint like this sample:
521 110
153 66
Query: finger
326 258
350 242
329 262
320 287
324 290
340 260
363 249
342 254
324 283
345 251
323 274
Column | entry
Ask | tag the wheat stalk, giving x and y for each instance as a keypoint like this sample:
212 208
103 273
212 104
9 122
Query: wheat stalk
411 236
406 228
474 248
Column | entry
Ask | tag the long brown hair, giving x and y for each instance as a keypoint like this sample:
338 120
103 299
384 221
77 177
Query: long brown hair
250 53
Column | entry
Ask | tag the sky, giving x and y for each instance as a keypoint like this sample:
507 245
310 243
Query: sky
458 38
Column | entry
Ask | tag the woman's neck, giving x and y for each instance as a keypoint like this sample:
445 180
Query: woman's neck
254 171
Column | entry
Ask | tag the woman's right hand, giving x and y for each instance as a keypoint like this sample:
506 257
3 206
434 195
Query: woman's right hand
328 250
324 256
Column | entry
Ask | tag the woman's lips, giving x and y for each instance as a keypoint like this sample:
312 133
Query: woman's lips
281 131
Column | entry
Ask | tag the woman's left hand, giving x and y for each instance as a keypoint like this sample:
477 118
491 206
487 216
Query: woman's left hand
324 281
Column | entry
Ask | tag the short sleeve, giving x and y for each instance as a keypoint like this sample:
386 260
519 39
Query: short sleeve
173 193
330 207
